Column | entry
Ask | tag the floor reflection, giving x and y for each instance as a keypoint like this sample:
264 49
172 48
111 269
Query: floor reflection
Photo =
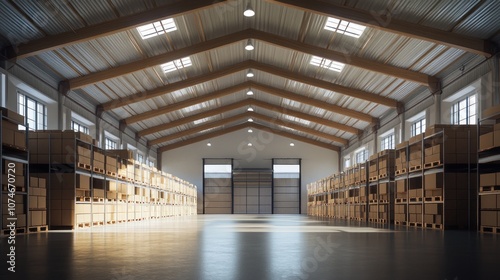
253 247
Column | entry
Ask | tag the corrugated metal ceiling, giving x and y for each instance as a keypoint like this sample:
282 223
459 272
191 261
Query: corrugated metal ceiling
25 21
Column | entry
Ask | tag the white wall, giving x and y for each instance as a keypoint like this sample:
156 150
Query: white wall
186 162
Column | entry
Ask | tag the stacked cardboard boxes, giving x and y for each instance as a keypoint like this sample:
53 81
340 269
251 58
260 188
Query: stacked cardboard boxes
401 161
415 152
37 202
373 168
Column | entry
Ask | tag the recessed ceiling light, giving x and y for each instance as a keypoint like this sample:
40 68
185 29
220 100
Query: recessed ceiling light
250 74
249 12
250 120
249 92
250 109
250 130
209 144
292 144
249 144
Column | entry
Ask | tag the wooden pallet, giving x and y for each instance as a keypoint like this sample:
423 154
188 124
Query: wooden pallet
382 221
489 189
19 230
372 179
38 229
17 188
401 171
434 198
83 225
381 176
433 164
433 226
415 168
98 170
83 199
110 173
415 199
98 199
416 224
401 200
83 166
400 223
488 229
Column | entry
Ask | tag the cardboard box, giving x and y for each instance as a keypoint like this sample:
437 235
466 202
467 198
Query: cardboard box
489 201
489 218
433 208
487 179
400 186
42 202
486 141
12 116
433 181
415 139
7 136
20 139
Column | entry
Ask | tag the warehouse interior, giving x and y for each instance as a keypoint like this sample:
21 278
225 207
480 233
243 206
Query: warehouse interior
250 139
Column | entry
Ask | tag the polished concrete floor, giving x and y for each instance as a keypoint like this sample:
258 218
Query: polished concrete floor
253 247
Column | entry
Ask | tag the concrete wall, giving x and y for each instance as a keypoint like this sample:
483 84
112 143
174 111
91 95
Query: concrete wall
186 162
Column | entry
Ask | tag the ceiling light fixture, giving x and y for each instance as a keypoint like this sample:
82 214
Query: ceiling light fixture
249 12
249 92
249 144
209 144
292 144
250 109
250 120
250 130
250 74
249 46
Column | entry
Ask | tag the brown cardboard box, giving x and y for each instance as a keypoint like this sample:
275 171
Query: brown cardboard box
433 181
488 201
487 179
42 183
82 181
12 116
436 149
382 188
98 156
429 151
21 220
489 218
20 139
415 139
83 151
486 141
8 136
432 208
428 219
42 202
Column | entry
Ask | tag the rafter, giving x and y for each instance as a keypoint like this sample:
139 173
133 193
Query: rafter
387 23
298 127
185 103
199 116
141 96
242 66
243 126
315 102
359 94
307 117
364 63
107 28
196 129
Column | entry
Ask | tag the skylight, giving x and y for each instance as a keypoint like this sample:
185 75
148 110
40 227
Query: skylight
176 64
157 28
328 64
344 27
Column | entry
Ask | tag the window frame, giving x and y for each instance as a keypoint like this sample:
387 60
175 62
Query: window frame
108 141
456 117
79 127
361 153
23 110
387 142
419 124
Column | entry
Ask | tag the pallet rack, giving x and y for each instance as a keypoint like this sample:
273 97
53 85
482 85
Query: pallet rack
488 214
15 173
92 187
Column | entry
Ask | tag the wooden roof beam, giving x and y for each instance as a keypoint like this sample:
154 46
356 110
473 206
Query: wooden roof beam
385 22
297 127
141 96
314 102
107 28
243 126
185 103
359 94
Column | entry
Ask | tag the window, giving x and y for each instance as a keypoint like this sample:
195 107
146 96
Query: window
140 158
344 27
387 142
34 112
157 28
361 156
176 64
347 162
326 63
79 127
150 163
417 127
464 111
110 144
